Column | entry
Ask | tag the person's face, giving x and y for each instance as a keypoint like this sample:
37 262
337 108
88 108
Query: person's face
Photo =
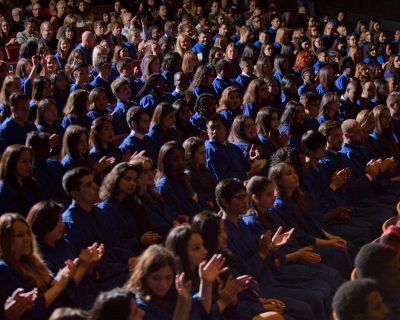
289 180
51 64
184 43
329 29
266 198
36 10
234 100
314 31
376 26
216 131
222 237
181 82
266 68
100 29
61 9
117 29
144 124
106 17
250 130
128 183
155 33
262 93
318 42
214 7
268 51
318 153
355 136
231 53
47 31
239 203
368 90
340 16
101 101
88 191
335 139
177 161
124 53
373 51
199 157
57 233
83 75
300 115
203 38
82 6
395 108
82 144
375 307
163 12
184 115
65 45
274 121
21 242
276 23
393 84
146 176
196 251
23 167
256 23
117 6
223 29
106 133
396 62
18 17
353 93
5 27
385 119
154 66
169 121
125 93
160 281
50 114
323 57
21 113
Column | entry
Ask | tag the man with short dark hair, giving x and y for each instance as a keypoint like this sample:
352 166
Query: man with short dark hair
15 128
86 224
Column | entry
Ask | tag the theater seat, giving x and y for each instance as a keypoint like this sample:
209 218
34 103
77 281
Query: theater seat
12 54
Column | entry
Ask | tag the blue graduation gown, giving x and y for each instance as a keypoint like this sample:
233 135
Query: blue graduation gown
198 122
229 116
125 225
348 109
10 280
95 113
341 83
13 133
85 228
150 102
119 118
220 85
70 120
243 80
244 245
250 110
19 199
226 161
49 175
159 137
99 82
176 196
134 144
306 231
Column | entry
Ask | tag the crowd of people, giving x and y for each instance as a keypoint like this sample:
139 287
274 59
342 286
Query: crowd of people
192 160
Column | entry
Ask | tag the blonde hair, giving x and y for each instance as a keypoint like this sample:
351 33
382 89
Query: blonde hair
178 46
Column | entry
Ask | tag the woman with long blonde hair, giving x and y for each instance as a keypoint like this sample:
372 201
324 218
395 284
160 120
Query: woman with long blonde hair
182 44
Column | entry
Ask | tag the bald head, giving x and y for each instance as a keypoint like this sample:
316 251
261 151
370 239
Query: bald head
88 39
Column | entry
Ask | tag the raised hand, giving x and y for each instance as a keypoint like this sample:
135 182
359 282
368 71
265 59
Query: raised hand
254 152
265 244
183 288
279 239
209 271
62 277
19 303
